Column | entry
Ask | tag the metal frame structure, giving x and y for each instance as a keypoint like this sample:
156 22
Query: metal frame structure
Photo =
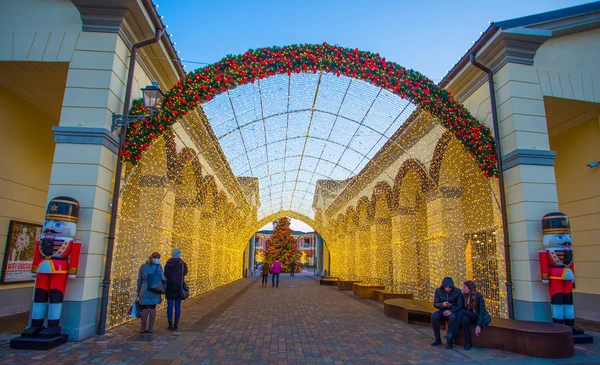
310 130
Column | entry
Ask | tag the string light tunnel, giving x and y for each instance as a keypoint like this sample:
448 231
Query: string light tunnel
396 176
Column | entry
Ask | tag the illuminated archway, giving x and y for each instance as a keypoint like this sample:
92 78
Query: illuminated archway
204 84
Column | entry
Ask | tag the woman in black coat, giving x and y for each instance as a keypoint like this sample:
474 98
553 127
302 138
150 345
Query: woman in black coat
175 271
473 312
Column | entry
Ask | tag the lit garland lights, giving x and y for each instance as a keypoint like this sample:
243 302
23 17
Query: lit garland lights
205 83
167 203
422 208
410 235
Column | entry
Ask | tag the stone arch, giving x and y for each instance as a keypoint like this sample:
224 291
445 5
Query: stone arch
417 166
438 156
287 213
410 247
470 225
383 201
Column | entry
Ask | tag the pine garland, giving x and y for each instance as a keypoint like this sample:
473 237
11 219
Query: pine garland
205 83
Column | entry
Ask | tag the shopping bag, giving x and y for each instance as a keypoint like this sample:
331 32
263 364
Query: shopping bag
134 310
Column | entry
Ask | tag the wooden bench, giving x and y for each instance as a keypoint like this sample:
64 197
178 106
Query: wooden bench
409 310
328 280
346 284
383 295
365 290
539 339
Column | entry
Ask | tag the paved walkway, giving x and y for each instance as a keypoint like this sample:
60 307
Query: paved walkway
300 322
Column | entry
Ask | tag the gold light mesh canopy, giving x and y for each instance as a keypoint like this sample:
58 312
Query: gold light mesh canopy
291 131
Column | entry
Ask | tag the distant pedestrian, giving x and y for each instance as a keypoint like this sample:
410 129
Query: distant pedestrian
175 271
275 270
148 299
264 273
292 268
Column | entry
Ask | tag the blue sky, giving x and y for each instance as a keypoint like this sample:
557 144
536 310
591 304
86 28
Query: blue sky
427 36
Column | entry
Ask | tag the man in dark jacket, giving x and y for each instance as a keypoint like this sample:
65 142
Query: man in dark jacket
449 301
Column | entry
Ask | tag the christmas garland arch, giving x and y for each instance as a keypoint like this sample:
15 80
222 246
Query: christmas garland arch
205 83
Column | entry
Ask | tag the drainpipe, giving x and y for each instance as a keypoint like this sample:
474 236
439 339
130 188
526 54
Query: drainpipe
509 291
115 198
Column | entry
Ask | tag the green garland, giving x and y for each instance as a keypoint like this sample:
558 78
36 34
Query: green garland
202 85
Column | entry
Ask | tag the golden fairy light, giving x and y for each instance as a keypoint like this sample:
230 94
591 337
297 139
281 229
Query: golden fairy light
405 207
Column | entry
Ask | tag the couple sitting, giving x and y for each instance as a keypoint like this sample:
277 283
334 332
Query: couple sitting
458 309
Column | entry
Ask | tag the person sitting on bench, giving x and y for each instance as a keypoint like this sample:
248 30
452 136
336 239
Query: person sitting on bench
449 301
474 312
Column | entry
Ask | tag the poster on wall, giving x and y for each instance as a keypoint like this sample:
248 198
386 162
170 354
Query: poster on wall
18 255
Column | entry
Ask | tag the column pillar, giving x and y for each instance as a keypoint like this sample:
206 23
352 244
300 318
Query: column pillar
351 229
186 220
383 235
319 253
85 160
364 240
207 230
530 183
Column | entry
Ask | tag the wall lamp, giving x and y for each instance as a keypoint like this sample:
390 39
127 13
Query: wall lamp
152 97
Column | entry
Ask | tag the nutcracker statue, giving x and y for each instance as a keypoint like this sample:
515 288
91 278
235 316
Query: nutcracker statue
556 267
56 257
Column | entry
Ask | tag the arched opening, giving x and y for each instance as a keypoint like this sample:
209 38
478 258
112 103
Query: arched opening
304 245
411 246
309 132
472 229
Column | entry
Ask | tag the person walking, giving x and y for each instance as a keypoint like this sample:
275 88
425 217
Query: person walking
264 273
293 268
148 299
449 301
473 312
175 271
275 270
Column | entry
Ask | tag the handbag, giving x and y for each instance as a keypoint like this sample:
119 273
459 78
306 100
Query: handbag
184 293
155 283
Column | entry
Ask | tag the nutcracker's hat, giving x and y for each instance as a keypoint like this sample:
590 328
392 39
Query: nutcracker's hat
556 223
63 208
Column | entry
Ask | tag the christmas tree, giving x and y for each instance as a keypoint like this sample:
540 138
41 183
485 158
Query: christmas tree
283 246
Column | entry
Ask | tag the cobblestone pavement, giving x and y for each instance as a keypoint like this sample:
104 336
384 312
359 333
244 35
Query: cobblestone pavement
300 322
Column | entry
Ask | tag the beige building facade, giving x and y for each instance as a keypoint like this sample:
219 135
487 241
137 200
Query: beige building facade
64 71
547 84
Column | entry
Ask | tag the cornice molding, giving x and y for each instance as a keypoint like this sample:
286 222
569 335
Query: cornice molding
528 157
86 135
100 19
517 45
